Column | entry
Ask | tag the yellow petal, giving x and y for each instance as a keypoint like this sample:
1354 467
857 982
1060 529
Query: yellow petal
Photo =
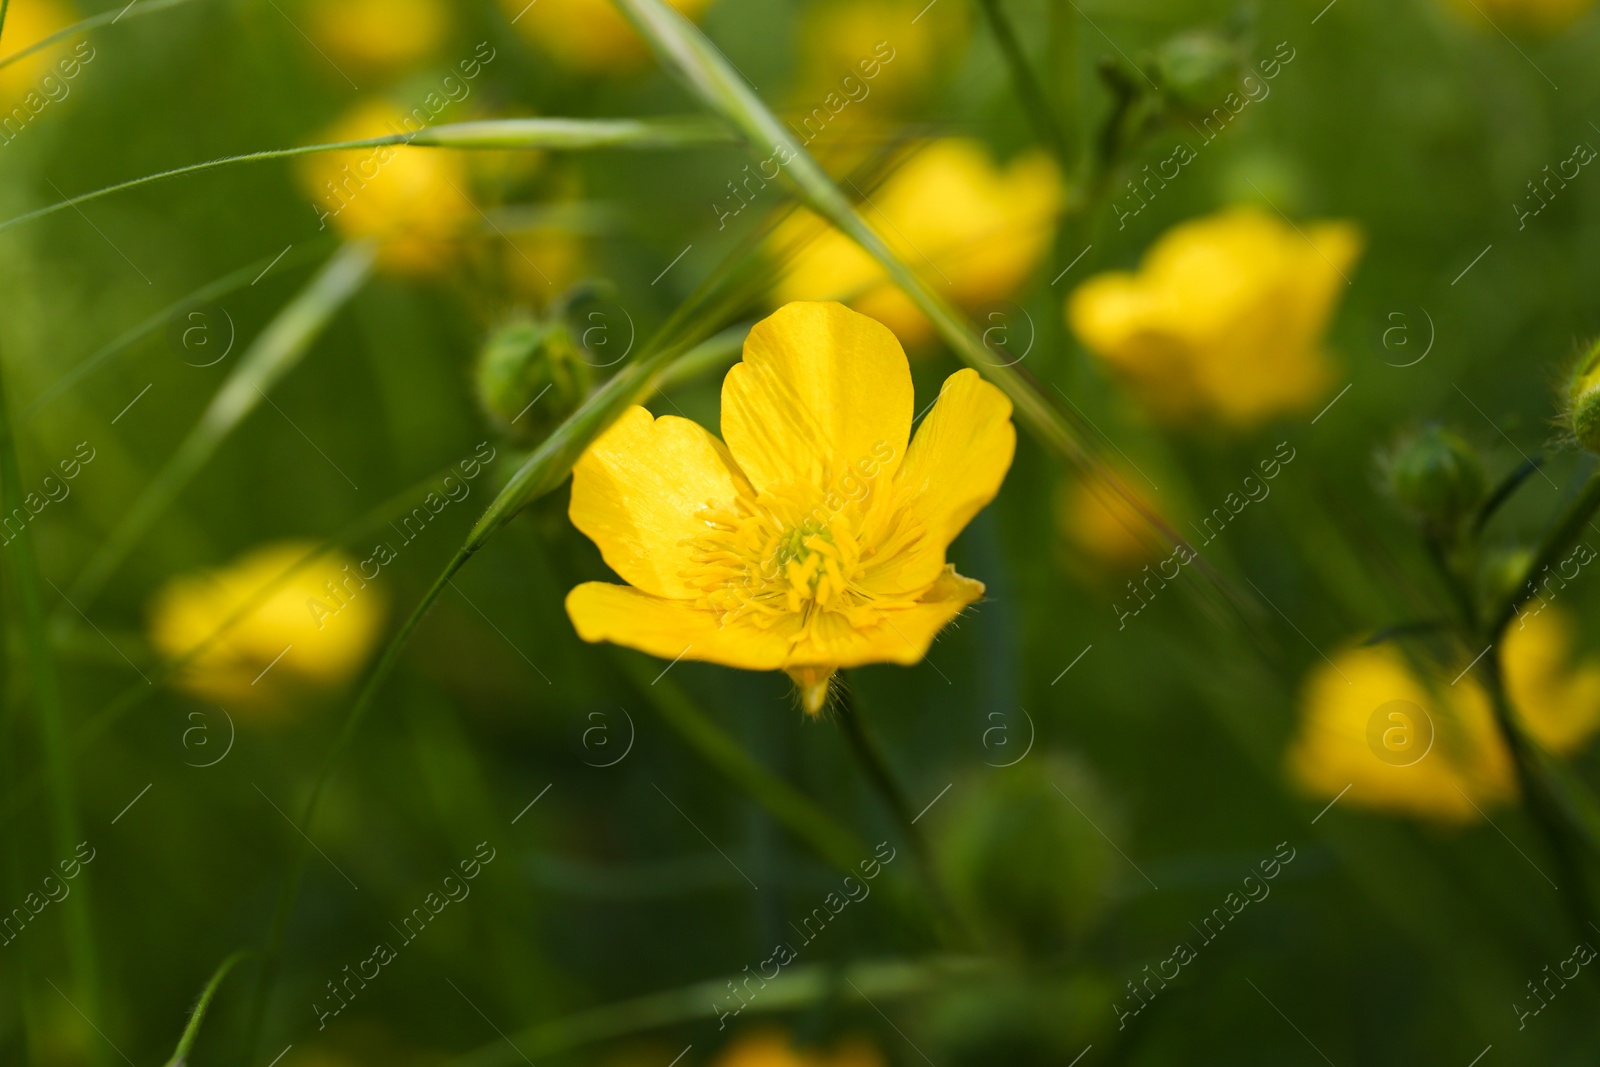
821 391
671 629
638 493
954 467
1437 759
1558 702
888 635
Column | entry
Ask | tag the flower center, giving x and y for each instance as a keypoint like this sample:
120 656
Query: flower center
781 555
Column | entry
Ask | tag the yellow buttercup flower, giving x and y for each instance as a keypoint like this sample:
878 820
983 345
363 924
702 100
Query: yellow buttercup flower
815 538
298 626
771 1048
1225 317
1418 745
380 36
1544 16
28 22
889 54
587 35
974 230
414 201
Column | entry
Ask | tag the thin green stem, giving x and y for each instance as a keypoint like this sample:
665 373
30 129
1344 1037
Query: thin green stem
115 14
273 354
495 134
64 825
798 986
1560 539
869 754
229 282
1564 835
547 468
809 823
1031 93
180 1055
379 674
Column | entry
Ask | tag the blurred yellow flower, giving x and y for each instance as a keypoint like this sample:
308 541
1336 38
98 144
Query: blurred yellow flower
1101 524
414 201
973 230
378 36
771 1048
27 22
587 35
815 538
1538 15
845 39
313 627
1225 317
1421 746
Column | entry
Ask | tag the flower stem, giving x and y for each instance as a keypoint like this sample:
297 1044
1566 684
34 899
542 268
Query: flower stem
180 1055
949 923
64 824
1560 538
1565 834
1034 101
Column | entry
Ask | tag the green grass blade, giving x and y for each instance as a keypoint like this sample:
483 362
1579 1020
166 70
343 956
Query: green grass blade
116 14
715 81
274 353
63 817
497 134
582 427
801 985
133 335
180 1055
552 461
788 805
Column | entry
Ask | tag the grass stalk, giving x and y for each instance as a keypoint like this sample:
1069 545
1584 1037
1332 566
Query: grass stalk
63 813
273 354
1034 100
489 134
547 468
802 985
180 1055
115 14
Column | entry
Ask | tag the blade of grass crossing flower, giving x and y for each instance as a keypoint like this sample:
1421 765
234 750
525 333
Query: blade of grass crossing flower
180 1055
139 692
274 353
63 814
492 134
115 14
709 74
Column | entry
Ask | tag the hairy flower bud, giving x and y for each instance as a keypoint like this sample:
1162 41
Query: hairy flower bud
530 376
1436 476
1583 400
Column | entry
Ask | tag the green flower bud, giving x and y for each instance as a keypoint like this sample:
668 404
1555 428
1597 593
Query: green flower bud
1197 70
1583 400
1436 476
530 376
1506 572
1028 866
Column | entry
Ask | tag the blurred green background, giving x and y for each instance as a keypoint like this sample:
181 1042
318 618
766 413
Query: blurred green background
1385 941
